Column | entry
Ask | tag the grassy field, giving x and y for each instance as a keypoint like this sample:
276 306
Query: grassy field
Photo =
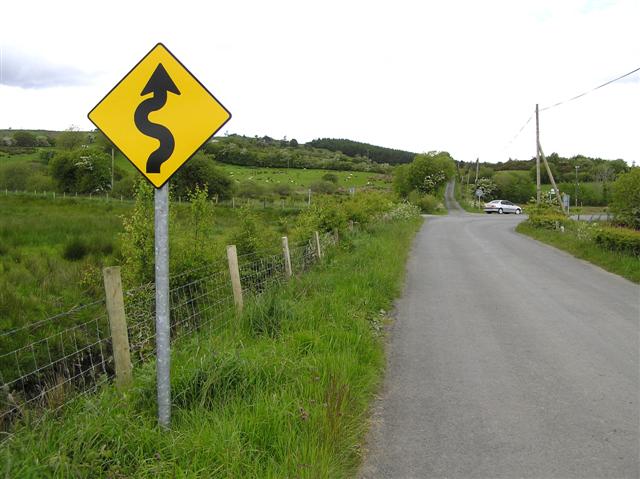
52 251
580 246
282 391
303 178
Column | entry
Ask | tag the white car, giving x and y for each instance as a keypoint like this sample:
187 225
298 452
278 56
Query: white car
502 206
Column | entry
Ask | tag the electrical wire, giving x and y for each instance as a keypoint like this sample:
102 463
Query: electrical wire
590 91
569 100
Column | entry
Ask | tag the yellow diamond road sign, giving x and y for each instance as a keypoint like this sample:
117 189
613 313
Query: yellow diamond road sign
159 115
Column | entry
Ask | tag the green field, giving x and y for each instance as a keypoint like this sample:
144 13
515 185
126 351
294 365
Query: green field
303 178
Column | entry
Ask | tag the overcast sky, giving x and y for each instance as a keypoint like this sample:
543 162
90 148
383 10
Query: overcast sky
461 76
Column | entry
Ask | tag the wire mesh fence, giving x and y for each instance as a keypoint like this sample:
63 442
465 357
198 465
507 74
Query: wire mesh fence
46 364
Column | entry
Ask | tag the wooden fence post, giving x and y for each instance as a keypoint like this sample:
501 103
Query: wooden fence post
234 273
287 257
336 235
118 326
318 250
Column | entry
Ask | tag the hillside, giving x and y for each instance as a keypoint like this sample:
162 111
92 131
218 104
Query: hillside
354 149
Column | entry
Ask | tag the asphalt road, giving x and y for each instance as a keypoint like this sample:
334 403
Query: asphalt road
507 358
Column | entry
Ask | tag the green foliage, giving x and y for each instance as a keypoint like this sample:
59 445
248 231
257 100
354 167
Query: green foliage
403 212
251 189
488 187
71 139
625 199
200 172
332 177
514 186
544 176
137 239
15 176
81 171
248 238
323 187
549 221
591 194
267 152
25 139
324 215
367 206
428 204
427 173
351 148
618 239
125 187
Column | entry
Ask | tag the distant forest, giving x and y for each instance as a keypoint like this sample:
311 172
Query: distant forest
377 154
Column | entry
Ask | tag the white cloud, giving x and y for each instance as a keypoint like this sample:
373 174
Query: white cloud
461 76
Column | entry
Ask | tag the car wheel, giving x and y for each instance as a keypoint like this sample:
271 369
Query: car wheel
518 211
500 211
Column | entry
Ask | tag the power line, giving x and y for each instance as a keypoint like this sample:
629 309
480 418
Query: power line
590 91
520 130
571 99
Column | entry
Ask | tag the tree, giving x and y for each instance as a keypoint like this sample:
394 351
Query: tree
514 186
81 171
332 177
200 171
625 201
25 139
544 177
70 139
426 173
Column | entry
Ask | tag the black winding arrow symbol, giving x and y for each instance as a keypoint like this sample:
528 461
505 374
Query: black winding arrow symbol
159 84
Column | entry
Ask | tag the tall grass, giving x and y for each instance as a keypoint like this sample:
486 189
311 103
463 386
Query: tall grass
281 391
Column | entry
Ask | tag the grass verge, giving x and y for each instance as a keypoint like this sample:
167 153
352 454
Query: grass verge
583 247
282 391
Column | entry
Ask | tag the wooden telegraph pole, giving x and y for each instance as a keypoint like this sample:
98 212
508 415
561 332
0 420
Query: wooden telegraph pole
540 153
537 158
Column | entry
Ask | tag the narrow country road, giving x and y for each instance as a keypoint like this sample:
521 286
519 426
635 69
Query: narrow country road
507 359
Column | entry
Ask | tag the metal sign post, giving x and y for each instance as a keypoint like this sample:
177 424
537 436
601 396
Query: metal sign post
163 328
185 116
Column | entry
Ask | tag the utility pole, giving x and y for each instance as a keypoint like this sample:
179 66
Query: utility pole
477 168
576 195
112 162
537 158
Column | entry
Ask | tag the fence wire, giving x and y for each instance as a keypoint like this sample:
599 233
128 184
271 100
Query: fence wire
46 364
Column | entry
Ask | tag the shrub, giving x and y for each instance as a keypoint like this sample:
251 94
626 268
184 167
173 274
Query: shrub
125 187
428 204
82 171
282 189
618 239
251 189
548 221
326 187
625 201
402 211
201 172
514 186
332 177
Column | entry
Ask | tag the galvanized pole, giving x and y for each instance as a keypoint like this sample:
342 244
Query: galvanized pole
163 330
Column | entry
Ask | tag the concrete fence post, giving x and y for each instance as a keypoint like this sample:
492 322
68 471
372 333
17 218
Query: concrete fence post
118 326
287 257
234 273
